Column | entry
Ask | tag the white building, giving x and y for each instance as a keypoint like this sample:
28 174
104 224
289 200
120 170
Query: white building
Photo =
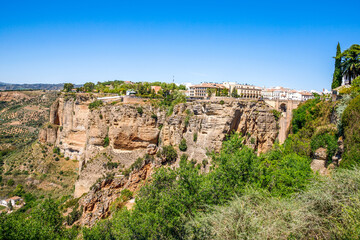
306 96
280 93
130 93
244 90
201 90
14 201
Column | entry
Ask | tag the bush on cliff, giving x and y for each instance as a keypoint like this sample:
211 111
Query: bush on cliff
182 145
168 153
351 125
95 104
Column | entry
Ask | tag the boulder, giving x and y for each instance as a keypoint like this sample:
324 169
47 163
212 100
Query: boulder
151 149
320 154
318 165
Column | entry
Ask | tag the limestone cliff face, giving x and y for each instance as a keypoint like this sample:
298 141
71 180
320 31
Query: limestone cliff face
82 134
212 121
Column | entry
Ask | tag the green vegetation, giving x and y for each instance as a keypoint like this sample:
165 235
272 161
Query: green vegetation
154 116
351 125
184 193
195 136
168 153
240 196
277 114
143 89
11 182
95 104
106 141
111 165
140 110
337 76
327 209
68 87
138 164
325 140
350 61
89 87
119 203
56 150
182 145
42 222
234 93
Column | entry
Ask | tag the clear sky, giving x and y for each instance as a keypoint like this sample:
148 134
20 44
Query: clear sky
266 43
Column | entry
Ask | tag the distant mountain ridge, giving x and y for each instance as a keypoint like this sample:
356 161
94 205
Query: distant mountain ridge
41 86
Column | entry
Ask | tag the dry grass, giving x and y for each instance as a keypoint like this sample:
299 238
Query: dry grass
329 209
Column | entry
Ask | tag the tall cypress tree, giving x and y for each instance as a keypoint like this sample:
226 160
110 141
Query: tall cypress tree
337 77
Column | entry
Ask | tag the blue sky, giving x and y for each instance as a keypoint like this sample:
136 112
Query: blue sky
266 43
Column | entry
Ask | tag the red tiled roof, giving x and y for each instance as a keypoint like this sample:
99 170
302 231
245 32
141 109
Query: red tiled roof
15 198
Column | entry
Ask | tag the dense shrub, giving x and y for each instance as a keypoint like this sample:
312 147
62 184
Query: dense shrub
276 114
182 145
328 209
56 150
42 222
140 110
95 104
74 215
111 165
310 114
325 140
351 124
10 182
169 153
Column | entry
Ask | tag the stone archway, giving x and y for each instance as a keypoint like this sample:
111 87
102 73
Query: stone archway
283 108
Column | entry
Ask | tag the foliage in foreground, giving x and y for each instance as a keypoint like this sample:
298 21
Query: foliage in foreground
174 196
328 209
43 222
351 125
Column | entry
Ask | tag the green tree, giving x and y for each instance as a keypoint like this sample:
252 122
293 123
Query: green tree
209 92
19 190
351 62
224 92
89 87
337 76
68 87
234 93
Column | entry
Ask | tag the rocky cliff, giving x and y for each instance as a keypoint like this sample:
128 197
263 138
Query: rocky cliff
113 136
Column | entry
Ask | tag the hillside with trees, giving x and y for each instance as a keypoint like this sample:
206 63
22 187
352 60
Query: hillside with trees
242 194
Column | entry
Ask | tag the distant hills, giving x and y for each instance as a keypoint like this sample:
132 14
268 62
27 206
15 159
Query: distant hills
35 86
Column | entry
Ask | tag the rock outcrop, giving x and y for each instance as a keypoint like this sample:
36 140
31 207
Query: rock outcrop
120 133
97 203
321 162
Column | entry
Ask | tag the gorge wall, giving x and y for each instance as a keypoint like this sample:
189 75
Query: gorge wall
120 133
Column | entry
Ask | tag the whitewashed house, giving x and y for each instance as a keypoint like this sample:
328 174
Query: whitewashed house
14 201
